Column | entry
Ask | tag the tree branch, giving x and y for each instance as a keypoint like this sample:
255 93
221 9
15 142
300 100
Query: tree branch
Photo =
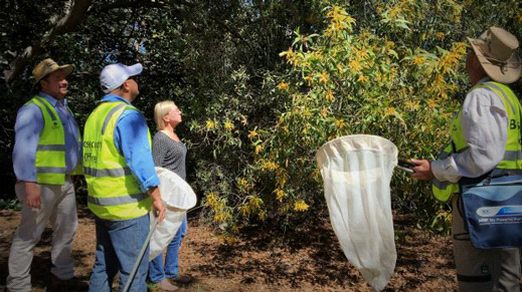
133 4
75 13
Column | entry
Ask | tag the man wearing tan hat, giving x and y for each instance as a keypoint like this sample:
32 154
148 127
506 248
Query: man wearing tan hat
485 141
46 153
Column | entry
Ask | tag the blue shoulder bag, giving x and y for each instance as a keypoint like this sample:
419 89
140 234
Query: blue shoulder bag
493 211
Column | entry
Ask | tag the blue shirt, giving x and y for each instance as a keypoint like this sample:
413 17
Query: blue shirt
131 137
28 127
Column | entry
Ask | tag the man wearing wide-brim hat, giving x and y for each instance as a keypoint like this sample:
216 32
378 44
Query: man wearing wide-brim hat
485 140
45 155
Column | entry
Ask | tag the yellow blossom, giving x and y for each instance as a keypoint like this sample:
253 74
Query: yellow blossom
211 199
355 66
329 95
439 83
300 206
210 124
432 103
280 194
222 215
449 61
362 78
282 85
419 60
259 148
361 54
228 125
243 184
268 165
390 111
262 215
244 210
440 35
412 105
254 202
340 124
323 77
290 56
252 134
324 112
339 20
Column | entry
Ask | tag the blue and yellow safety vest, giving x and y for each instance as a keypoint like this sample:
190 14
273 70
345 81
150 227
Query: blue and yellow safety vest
50 153
113 191
512 159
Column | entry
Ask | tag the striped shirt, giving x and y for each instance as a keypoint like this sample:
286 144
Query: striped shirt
169 154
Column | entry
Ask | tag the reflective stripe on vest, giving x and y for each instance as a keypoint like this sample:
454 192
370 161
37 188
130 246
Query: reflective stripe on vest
50 153
512 159
113 191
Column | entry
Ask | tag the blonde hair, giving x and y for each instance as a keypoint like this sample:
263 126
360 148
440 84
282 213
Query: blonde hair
160 110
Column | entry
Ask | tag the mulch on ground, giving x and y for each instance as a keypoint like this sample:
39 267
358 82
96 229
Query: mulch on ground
303 259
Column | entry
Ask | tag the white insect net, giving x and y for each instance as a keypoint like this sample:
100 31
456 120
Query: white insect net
357 171
178 197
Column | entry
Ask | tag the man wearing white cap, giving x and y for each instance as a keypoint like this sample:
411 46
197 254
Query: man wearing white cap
485 140
45 155
121 179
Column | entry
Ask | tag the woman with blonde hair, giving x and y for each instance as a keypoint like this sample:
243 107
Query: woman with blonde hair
168 152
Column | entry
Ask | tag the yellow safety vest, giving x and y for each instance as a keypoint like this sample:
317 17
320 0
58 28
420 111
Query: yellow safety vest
512 159
113 191
50 153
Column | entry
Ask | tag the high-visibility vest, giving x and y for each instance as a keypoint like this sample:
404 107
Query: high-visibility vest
512 159
113 191
50 153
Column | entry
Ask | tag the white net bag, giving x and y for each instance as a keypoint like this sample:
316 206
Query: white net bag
357 171
178 197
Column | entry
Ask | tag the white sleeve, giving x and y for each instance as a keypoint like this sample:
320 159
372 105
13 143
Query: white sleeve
484 124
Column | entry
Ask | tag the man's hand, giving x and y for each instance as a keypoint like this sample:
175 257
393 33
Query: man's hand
422 169
32 195
157 204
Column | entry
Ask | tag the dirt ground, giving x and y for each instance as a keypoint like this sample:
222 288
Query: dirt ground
303 260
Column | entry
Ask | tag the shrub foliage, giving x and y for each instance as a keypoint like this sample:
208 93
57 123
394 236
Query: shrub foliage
263 84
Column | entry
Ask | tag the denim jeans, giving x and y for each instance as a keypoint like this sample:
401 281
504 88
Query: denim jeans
159 271
118 244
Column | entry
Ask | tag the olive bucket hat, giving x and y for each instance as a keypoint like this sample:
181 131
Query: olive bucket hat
48 66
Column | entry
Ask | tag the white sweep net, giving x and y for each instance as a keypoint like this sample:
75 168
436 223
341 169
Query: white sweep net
357 171
178 197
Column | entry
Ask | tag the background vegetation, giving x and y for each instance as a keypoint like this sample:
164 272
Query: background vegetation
262 85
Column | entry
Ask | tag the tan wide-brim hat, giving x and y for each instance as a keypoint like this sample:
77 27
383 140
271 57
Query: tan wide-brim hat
497 52
48 66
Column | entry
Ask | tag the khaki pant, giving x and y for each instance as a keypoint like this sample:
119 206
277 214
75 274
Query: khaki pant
482 269
58 204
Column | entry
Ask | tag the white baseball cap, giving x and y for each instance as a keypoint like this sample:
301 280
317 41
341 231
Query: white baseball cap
113 75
